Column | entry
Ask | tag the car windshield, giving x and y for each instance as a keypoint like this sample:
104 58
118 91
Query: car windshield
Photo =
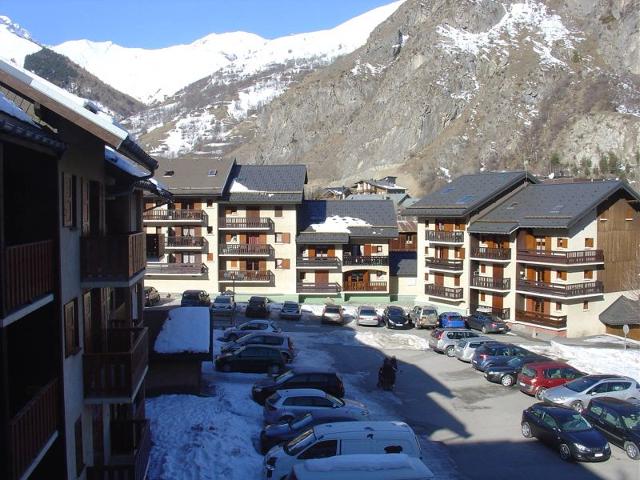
429 312
574 423
290 306
298 444
302 422
334 400
581 384
367 311
190 295
223 300
332 310
284 377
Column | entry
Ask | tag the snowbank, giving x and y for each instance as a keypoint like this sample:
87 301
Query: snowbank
186 330
381 339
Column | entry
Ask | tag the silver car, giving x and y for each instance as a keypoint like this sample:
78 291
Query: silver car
368 316
466 347
443 340
223 305
332 314
578 393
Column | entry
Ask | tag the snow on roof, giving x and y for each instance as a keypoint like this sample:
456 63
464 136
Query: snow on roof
237 187
186 330
10 108
123 163
338 224
363 462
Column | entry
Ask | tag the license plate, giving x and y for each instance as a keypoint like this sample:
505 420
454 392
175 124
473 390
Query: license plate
599 454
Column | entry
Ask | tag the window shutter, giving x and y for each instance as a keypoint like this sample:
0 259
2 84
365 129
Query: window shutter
86 227
234 263
209 257
67 200
71 339
456 280
286 264
286 238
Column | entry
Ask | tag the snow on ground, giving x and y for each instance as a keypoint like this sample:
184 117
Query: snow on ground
15 42
379 339
254 97
186 330
338 224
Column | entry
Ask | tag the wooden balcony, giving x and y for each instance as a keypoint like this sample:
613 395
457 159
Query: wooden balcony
541 319
450 265
318 262
26 274
318 288
32 428
439 236
170 270
175 217
400 245
503 313
575 257
486 253
193 244
364 286
245 223
155 245
245 250
246 276
112 258
130 449
450 293
366 260
561 290
115 374
491 283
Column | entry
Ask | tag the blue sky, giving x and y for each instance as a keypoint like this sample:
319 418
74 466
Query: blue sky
159 23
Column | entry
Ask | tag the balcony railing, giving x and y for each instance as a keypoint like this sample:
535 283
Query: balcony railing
444 263
131 444
491 253
490 282
401 245
246 276
561 290
575 257
112 257
318 262
452 293
245 223
187 243
446 237
178 216
544 320
173 269
369 260
117 371
26 273
250 249
364 286
318 287
503 313
31 428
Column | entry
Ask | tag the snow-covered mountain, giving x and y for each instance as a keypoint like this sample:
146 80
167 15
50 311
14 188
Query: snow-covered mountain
15 42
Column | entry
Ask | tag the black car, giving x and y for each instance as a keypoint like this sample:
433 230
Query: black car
567 431
195 298
257 307
486 323
151 296
324 380
505 370
252 358
394 317
618 420
278 433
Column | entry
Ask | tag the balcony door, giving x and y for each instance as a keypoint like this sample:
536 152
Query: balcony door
322 277
497 301
438 279
442 253
498 272
253 212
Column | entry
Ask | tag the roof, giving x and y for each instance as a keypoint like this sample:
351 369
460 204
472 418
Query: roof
382 183
622 311
407 226
256 184
467 194
403 264
194 176
548 205
319 238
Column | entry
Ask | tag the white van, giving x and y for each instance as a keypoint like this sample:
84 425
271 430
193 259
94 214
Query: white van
396 466
343 438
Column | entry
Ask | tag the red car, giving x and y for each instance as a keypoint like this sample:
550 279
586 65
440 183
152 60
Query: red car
535 378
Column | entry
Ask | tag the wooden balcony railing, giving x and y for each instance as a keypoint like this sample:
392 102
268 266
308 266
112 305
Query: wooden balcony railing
245 223
26 273
364 286
303 287
319 262
31 428
400 245
120 367
446 237
491 253
246 275
575 257
178 216
369 260
444 263
240 249
453 293
561 290
155 245
172 269
544 320
191 243
112 257
490 282
503 313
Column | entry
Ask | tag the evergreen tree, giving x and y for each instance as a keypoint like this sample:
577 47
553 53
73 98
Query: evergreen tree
614 164
603 165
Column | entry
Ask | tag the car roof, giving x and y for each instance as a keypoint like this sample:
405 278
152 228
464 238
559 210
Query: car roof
255 320
549 364
259 345
617 404
302 392
263 334
609 377
312 370
555 410
223 296
193 291
369 307
257 299
290 302
360 426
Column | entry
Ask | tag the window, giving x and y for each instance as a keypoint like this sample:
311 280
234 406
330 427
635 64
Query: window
612 419
549 421
378 248
77 427
212 173
230 210
71 329
328 448
456 281
588 274
209 230
618 386
558 306
209 203
483 268
426 277
482 296
303 276
595 409
277 211
283 264
585 306
561 275
393 449
68 200
283 237
588 242
562 242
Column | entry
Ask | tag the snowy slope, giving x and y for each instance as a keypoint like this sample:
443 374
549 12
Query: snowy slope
152 75
15 42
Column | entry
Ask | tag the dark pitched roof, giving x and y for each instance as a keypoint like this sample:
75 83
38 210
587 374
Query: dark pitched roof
408 226
403 264
320 238
622 311
548 206
266 184
194 176
466 194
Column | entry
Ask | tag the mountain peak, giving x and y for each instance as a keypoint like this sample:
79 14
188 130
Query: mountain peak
15 28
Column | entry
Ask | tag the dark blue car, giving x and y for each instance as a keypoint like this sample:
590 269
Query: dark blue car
451 320
487 323
618 420
492 352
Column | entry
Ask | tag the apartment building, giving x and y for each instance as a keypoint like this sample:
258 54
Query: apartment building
343 249
73 352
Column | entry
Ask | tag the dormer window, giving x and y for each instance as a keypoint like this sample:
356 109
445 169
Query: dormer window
169 173
212 173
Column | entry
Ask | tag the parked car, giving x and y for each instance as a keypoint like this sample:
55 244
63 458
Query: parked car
535 378
577 393
223 305
316 378
285 405
567 431
231 334
487 323
451 320
367 315
619 421
151 296
332 314
394 317
372 466
282 342
485 355
505 370
290 311
424 316
252 358
257 307
443 340
466 347
278 433
344 438
195 298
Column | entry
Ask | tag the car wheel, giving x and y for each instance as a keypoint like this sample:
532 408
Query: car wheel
484 329
450 351
578 406
540 392
526 430
506 380
226 367
274 369
565 452
632 450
